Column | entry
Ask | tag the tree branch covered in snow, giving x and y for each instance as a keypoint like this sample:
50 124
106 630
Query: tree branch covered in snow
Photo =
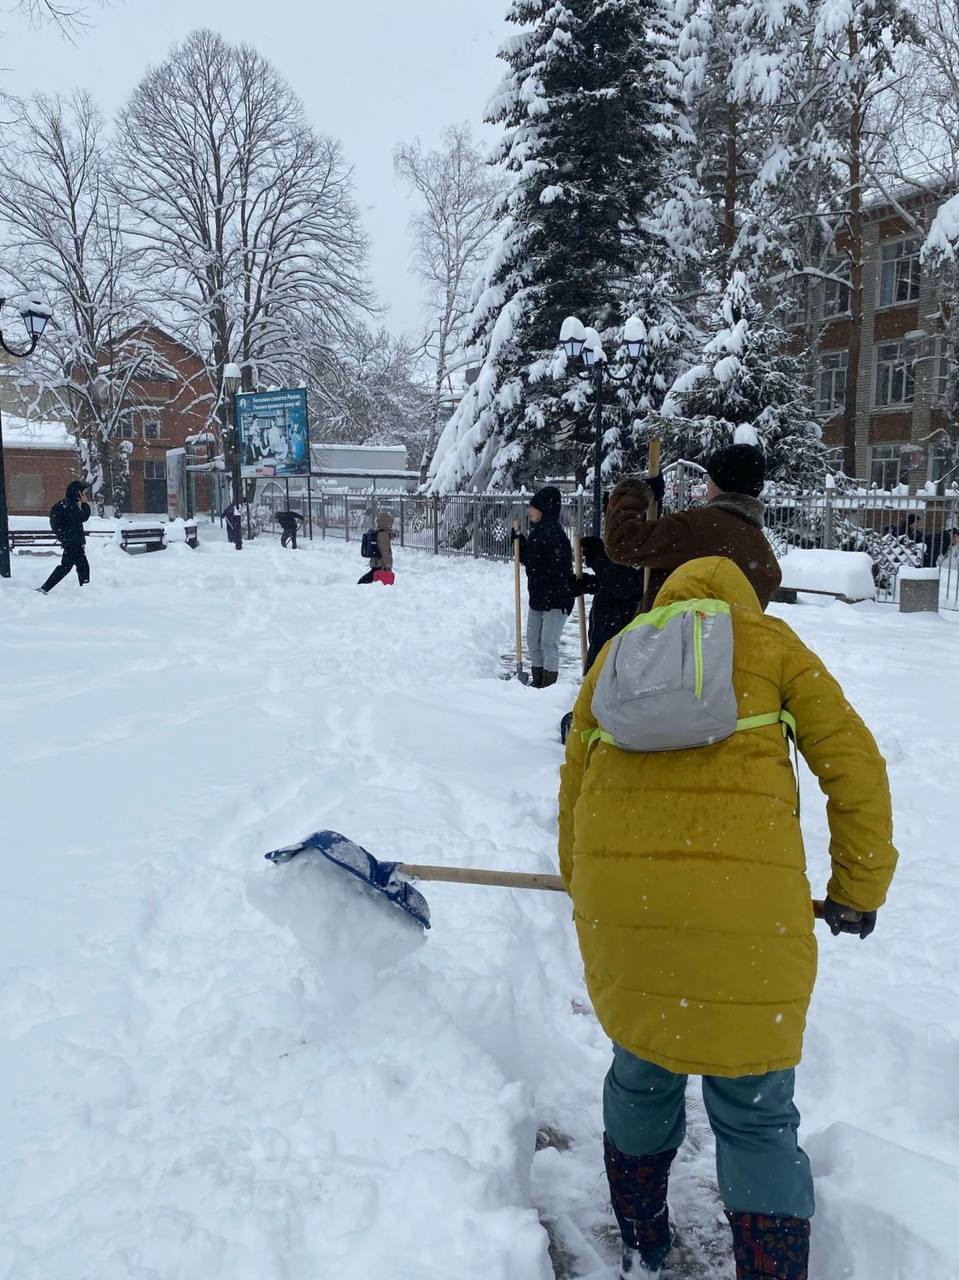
66 237
451 232
246 218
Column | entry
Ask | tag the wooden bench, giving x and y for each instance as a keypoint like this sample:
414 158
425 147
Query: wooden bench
148 536
192 534
788 595
27 538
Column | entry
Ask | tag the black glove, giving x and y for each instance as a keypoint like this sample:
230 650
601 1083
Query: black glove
584 585
658 486
848 919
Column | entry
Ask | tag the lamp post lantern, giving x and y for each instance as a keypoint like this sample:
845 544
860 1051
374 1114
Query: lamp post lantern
586 344
36 316
231 385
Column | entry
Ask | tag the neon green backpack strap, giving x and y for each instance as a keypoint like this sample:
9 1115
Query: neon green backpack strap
788 722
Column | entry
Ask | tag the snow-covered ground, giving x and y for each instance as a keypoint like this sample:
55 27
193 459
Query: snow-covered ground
212 1067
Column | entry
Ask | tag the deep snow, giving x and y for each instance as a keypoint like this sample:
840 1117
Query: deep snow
214 1067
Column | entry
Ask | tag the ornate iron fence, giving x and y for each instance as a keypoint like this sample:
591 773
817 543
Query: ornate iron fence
895 529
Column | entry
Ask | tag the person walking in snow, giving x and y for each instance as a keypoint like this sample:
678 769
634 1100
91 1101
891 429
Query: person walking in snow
686 871
548 559
381 565
289 522
67 518
730 524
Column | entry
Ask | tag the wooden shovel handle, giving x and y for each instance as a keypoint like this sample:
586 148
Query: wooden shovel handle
502 879
581 600
652 511
518 590
474 875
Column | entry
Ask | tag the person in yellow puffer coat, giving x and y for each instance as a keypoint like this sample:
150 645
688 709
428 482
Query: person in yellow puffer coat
687 875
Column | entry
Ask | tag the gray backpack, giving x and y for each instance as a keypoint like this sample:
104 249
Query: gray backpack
667 683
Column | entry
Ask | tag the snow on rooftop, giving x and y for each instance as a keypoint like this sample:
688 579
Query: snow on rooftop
31 433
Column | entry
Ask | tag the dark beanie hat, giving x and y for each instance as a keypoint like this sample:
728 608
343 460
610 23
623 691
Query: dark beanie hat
740 468
548 500
74 489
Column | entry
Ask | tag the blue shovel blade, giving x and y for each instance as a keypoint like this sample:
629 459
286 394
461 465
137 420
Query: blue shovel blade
353 858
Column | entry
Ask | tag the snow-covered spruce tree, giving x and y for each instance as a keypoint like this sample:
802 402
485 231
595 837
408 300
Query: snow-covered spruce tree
746 387
586 123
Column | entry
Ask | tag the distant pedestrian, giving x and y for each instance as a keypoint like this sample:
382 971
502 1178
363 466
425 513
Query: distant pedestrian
548 558
289 522
231 518
67 518
381 564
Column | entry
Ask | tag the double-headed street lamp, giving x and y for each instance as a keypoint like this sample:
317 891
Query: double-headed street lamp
579 341
35 316
231 385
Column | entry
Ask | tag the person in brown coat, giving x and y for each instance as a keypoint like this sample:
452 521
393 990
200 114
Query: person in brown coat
730 525
382 562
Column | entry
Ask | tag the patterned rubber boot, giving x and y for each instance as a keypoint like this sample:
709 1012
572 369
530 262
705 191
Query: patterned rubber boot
537 680
637 1190
770 1248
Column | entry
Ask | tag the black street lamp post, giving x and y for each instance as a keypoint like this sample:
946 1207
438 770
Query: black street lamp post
35 317
581 342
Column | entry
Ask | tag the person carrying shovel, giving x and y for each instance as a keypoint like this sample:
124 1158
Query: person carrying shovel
730 524
680 847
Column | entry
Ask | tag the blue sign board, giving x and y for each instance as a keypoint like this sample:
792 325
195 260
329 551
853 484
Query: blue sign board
273 433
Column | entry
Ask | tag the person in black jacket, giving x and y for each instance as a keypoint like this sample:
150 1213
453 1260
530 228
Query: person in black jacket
548 558
289 522
67 518
617 593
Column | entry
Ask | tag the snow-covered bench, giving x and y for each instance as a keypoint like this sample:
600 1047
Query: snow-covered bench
842 575
20 538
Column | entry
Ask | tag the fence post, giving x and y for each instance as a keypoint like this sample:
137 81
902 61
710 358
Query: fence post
579 512
476 528
346 516
402 521
436 525
829 530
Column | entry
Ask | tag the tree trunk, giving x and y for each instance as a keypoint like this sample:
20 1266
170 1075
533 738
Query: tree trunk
855 250
443 338
730 189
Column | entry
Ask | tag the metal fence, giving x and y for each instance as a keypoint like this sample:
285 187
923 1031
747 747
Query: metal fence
895 530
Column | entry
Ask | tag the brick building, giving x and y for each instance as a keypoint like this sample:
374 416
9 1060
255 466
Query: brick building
902 366
166 407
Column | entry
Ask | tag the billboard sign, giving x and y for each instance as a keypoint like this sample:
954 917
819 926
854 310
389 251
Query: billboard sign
273 434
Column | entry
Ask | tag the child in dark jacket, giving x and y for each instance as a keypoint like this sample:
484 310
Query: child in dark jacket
548 558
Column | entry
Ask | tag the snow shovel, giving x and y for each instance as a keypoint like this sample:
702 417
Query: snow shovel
392 879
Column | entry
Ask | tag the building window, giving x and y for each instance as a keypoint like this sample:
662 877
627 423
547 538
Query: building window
151 431
795 304
899 273
836 289
835 457
894 373
154 470
884 462
946 374
126 430
832 383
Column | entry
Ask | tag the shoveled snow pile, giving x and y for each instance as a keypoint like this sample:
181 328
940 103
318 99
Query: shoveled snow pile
847 573
216 1067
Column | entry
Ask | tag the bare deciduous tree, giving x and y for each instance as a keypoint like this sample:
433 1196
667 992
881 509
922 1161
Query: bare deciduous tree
66 241
246 216
451 233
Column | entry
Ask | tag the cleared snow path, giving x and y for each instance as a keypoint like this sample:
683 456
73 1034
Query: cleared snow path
216 1068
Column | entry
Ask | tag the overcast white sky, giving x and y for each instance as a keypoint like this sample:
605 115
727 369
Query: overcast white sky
370 72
